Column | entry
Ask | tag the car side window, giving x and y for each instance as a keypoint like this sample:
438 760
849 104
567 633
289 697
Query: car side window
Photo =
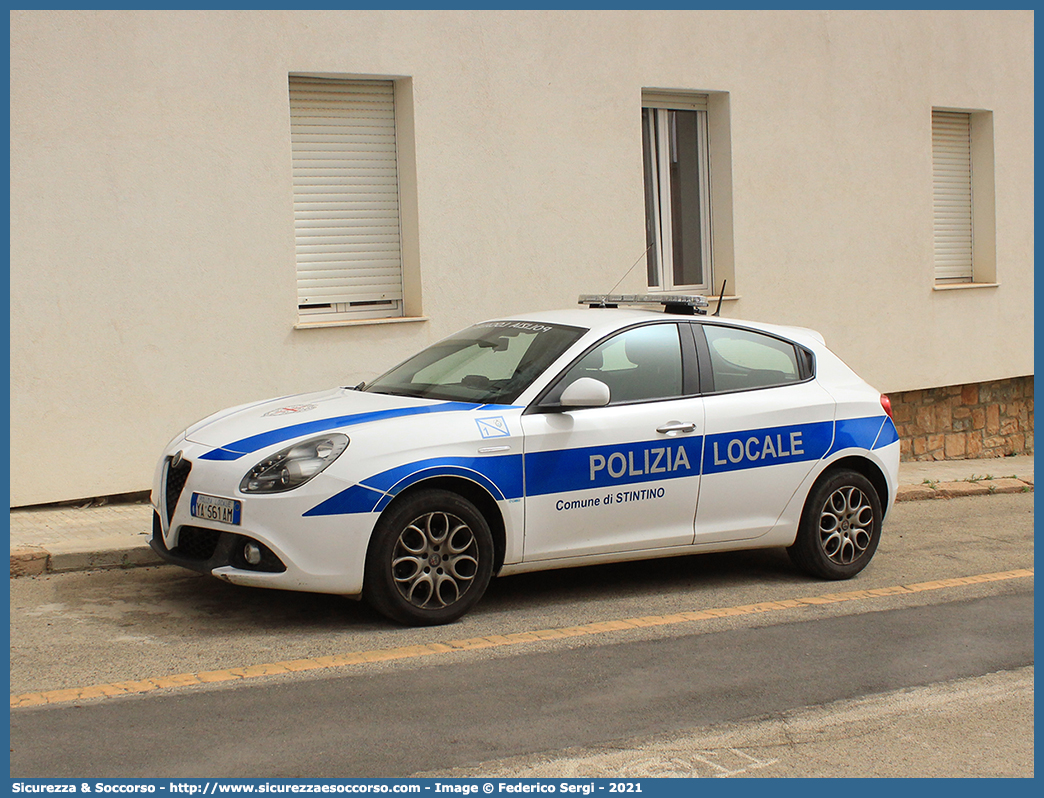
743 359
639 364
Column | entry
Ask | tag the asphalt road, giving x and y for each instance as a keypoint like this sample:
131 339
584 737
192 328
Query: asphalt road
625 697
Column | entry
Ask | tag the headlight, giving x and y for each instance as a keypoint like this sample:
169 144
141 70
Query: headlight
294 465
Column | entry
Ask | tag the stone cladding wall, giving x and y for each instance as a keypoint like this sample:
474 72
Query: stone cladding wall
985 419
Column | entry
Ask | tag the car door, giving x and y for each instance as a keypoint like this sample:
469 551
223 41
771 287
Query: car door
623 476
767 423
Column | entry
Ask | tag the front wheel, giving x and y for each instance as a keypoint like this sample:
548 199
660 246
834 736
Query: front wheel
430 560
840 527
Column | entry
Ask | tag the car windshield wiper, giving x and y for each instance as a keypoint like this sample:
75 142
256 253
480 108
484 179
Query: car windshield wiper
387 391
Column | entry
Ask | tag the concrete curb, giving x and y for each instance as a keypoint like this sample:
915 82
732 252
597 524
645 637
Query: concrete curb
119 552
38 561
957 490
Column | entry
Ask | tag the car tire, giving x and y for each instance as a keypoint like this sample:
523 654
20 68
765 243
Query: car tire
430 559
840 527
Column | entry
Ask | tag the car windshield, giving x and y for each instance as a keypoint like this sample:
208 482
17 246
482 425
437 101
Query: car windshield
490 363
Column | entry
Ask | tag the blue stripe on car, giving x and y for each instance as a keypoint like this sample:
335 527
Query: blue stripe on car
736 451
501 476
235 450
889 435
566 470
356 499
857 433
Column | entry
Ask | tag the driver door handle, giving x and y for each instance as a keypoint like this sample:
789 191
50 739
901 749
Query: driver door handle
675 427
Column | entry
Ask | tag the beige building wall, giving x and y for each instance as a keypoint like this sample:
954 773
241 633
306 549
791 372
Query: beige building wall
152 240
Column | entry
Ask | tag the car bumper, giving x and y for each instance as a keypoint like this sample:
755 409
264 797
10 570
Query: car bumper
290 551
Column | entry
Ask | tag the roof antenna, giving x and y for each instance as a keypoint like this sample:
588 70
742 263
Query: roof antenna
721 296
631 269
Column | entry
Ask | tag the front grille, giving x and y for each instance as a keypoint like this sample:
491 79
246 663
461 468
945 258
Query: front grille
176 477
195 543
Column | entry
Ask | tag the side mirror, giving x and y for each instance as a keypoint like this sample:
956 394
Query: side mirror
585 392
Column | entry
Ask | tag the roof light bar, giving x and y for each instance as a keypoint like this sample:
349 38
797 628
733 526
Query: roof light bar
682 304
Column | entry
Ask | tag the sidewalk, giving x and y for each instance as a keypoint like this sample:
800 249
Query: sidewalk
57 540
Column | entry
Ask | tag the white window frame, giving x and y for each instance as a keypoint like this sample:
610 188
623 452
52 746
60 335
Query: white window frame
346 195
657 161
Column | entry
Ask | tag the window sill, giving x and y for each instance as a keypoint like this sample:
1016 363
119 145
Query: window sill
962 286
712 302
313 325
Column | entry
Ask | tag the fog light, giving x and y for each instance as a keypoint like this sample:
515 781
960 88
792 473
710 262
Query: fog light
252 553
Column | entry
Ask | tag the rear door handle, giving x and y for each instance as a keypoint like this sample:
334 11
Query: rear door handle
675 427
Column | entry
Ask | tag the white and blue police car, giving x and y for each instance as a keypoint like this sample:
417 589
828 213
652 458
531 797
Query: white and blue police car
557 439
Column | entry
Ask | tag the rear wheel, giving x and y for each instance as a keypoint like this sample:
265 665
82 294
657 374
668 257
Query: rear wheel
430 560
840 527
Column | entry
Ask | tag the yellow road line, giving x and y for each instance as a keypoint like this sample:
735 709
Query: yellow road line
492 641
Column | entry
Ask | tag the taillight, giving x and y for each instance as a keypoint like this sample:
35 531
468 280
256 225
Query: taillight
886 403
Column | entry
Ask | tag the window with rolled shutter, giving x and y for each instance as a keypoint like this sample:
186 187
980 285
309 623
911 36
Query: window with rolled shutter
346 198
952 196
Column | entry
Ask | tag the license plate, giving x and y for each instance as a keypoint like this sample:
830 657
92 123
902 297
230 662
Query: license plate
212 508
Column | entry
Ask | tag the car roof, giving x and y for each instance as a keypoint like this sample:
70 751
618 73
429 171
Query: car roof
602 321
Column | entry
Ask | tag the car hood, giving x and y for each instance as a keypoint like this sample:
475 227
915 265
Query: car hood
249 428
